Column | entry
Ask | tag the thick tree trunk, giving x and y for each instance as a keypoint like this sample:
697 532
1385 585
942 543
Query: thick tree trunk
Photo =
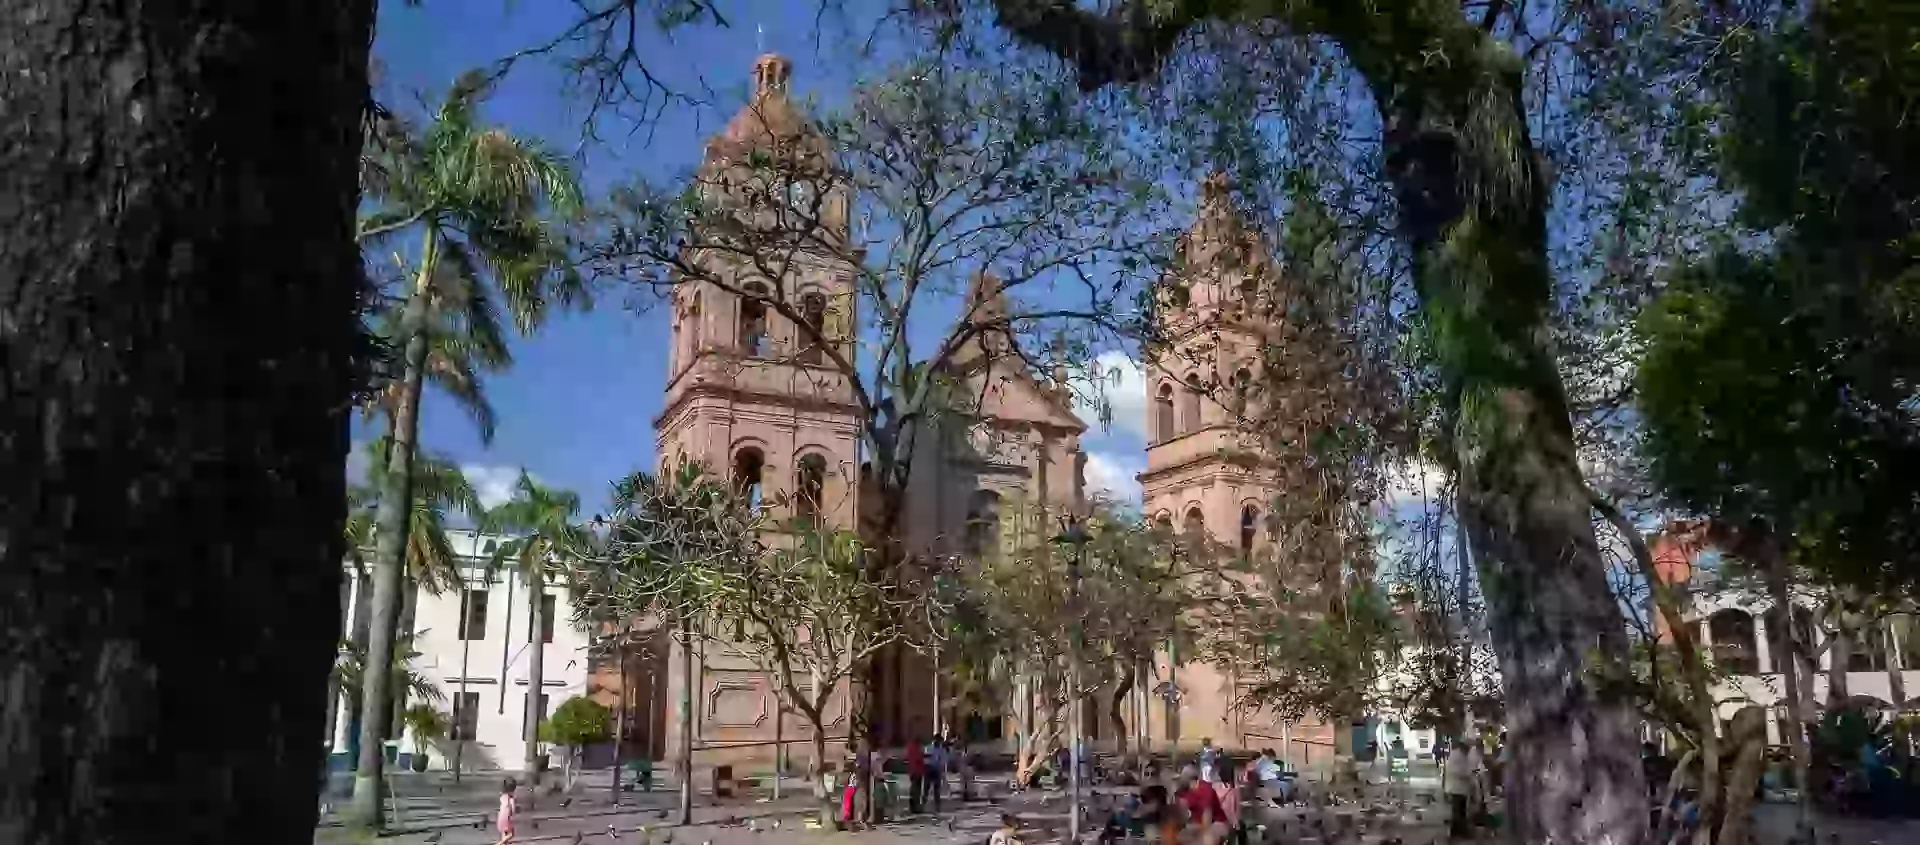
1748 742
1120 693
536 674
389 557
175 179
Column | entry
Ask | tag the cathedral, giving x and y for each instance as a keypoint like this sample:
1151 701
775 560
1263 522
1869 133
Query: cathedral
747 391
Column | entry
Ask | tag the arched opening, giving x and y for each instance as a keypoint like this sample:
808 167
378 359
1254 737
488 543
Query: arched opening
1732 634
810 487
1195 523
753 321
1163 425
1163 521
748 465
813 309
1190 405
1242 388
1249 521
983 522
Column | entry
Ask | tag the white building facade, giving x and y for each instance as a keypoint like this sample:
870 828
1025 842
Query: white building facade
481 667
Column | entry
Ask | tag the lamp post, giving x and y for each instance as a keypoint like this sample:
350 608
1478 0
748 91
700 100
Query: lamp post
1073 532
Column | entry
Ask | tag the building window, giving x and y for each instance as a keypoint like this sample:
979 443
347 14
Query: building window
1732 634
1195 524
748 464
466 715
813 309
1190 405
473 614
1163 425
546 620
810 487
983 522
1249 519
1869 649
753 321
529 702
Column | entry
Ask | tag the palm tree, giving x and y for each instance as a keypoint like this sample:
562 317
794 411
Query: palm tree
545 536
478 201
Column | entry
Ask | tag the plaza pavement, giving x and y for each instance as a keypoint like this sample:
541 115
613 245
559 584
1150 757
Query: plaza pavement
436 812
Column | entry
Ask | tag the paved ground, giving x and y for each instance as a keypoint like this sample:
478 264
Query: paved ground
436 812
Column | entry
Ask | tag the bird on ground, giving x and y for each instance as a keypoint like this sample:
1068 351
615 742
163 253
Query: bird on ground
435 836
776 824
578 836
564 802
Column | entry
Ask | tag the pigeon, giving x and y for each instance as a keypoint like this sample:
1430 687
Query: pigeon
660 814
776 824
435 836
577 837
564 802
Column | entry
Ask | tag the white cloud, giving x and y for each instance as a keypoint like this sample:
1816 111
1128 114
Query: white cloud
1115 475
1123 386
357 461
492 484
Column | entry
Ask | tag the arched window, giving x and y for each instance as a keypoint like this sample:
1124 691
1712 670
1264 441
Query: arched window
1242 386
692 319
983 522
813 309
748 465
1249 520
1195 523
1733 649
1163 425
1164 521
1190 405
753 321
810 487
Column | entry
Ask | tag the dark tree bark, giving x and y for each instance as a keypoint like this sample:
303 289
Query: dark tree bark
179 296
1472 209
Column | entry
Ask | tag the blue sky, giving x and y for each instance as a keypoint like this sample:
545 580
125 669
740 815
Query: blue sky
577 409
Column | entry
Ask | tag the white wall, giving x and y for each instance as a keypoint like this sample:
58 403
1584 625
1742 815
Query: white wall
492 665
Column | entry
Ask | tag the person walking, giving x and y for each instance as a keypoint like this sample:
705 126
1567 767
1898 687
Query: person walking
1458 779
508 809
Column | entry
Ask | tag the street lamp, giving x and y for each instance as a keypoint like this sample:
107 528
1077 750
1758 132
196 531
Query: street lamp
1073 532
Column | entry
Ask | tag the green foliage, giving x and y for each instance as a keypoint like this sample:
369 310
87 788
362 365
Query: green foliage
349 667
439 489
427 724
1780 387
577 722
544 534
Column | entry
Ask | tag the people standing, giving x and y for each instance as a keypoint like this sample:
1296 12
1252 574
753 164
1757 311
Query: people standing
1208 755
1204 817
508 809
937 761
1266 768
1458 779
916 774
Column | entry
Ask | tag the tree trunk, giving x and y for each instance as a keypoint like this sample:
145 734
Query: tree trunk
175 179
1748 742
1789 665
779 742
1120 693
389 555
1471 206
687 683
1839 656
817 772
536 677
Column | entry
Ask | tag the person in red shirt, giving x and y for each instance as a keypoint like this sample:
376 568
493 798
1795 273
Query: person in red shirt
916 774
1206 823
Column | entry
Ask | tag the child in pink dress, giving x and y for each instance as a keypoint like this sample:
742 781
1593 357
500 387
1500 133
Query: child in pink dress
508 807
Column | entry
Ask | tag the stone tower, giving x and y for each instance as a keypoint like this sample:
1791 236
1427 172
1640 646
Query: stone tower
1206 473
751 392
